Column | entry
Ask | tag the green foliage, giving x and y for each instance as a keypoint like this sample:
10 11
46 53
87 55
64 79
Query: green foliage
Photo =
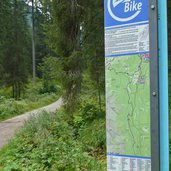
42 20
71 81
16 107
32 100
93 137
73 32
64 37
89 123
93 45
15 47
47 142
19 107
88 112
5 15
50 70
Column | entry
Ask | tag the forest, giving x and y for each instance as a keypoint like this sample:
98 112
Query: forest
48 50
52 49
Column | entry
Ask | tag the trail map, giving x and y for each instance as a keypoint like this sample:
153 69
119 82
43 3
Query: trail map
127 87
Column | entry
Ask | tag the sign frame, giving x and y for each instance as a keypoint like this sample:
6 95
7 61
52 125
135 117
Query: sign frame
154 85
158 83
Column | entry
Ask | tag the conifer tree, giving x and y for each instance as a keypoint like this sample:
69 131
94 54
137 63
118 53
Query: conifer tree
15 50
67 17
93 43
5 15
76 35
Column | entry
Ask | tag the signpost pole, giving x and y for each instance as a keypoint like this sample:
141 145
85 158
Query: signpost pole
163 84
154 86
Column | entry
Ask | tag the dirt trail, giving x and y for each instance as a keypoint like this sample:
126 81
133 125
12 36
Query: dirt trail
9 127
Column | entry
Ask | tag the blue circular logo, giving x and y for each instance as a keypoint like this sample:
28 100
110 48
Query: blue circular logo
124 10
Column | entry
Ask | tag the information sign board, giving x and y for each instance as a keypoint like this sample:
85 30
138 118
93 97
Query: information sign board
127 85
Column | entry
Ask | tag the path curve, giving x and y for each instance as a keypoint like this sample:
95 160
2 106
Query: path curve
10 126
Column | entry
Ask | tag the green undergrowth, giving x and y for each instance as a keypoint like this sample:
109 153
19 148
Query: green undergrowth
59 142
10 107
31 99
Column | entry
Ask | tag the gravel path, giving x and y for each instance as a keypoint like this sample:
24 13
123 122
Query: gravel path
9 127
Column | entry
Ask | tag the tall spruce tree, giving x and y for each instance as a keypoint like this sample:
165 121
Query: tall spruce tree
5 15
93 43
41 21
15 49
65 39
75 33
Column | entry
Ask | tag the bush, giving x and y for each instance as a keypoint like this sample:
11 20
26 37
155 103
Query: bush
93 136
47 143
16 108
24 105
50 70
87 113
89 124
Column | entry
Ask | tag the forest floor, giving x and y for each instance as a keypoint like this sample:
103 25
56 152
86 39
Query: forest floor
9 127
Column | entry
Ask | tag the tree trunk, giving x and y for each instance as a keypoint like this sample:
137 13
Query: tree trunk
13 90
19 89
99 94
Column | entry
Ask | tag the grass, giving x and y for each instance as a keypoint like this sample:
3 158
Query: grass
31 99
11 108
58 141
52 142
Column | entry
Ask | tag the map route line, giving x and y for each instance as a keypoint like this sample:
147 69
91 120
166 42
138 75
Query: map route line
130 115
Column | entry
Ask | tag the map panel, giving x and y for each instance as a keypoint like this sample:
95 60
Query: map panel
128 106
128 110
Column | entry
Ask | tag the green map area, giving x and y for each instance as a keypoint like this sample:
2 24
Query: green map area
128 105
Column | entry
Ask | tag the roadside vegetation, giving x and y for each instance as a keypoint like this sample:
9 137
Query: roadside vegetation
55 142
69 43
33 98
